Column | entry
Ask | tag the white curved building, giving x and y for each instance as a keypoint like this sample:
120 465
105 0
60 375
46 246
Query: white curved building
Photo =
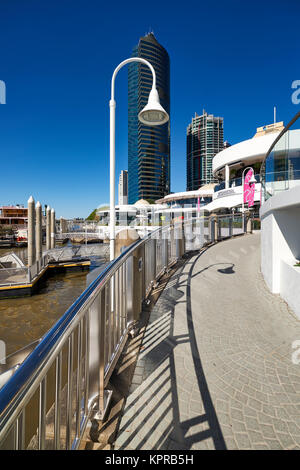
229 164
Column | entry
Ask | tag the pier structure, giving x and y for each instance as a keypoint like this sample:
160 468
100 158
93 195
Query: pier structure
38 230
48 228
52 229
31 231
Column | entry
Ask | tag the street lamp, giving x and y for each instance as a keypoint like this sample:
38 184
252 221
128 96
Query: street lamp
153 114
251 181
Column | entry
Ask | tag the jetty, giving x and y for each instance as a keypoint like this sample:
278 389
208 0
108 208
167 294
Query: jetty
21 280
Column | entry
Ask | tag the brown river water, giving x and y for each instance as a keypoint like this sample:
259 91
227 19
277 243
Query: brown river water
24 320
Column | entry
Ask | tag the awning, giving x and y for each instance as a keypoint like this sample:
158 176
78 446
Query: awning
224 203
179 210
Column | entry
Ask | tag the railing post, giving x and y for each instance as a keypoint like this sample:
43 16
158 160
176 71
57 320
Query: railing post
178 240
138 288
129 289
210 229
97 343
165 251
101 400
248 224
244 222
216 228
230 225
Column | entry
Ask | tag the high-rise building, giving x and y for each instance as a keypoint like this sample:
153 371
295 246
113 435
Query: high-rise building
148 146
123 188
204 140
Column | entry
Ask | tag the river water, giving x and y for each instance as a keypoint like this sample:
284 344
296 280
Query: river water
24 320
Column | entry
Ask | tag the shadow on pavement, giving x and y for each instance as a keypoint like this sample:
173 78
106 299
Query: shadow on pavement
146 427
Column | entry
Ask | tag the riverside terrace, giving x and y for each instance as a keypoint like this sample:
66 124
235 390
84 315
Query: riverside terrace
212 371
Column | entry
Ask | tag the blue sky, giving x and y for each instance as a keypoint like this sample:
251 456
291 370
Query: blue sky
234 59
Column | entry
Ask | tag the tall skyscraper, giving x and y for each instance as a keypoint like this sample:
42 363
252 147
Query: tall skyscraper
148 147
123 188
204 140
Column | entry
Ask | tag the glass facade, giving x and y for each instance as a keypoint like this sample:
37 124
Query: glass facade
148 146
204 140
281 169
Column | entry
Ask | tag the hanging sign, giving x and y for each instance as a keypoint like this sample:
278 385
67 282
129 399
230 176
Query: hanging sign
249 189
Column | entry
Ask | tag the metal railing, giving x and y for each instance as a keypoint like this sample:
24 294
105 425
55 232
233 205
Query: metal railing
76 252
63 382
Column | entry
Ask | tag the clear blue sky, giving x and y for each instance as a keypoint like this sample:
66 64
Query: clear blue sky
235 59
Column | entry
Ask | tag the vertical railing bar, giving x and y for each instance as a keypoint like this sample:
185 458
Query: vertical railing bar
118 306
86 366
69 391
109 321
58 363
125 297
20 431
102 320
122 302
122 311
42 414
115 312
15 435
105 313
115 317
79 377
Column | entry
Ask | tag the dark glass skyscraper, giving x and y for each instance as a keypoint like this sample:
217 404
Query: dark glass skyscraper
204 138
148 147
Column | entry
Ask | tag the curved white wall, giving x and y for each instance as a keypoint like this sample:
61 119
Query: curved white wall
249 149
280 245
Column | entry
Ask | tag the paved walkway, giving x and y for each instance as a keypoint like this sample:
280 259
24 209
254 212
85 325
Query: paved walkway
215 369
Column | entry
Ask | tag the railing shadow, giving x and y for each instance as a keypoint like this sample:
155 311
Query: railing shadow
153 417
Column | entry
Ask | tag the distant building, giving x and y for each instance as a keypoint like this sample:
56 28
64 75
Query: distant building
204 140
148 147
131 213
13 215
123 188
196 198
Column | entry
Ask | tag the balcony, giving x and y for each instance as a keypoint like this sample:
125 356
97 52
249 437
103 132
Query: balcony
233 183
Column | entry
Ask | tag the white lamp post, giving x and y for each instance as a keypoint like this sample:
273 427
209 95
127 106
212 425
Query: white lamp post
153 114
252 180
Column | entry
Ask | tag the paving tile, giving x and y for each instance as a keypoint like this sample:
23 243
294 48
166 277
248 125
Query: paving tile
233 367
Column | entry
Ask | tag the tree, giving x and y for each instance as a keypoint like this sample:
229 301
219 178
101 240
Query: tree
92 215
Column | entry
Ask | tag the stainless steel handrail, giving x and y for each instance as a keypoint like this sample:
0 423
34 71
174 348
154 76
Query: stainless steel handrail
81 350
18 390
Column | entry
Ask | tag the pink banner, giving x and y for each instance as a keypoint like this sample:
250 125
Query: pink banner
249 189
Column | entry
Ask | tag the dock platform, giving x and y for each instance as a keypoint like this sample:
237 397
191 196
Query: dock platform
20 282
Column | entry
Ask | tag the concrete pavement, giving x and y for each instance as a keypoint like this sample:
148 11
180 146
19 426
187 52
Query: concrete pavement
215 368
